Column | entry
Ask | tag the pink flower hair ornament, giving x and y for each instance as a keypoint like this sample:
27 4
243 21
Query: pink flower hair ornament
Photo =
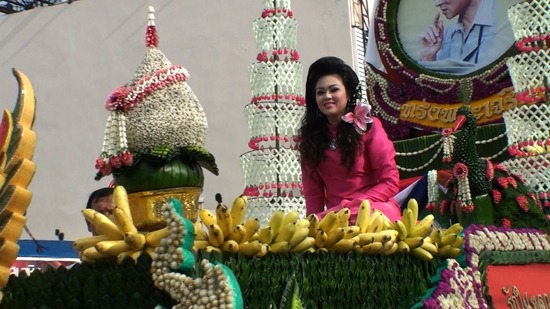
359 117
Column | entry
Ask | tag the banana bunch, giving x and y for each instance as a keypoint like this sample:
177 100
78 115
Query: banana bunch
415 238
332 232
225 230
376 234
118 237
448 241
286 233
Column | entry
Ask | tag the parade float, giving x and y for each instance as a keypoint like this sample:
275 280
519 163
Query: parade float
480 243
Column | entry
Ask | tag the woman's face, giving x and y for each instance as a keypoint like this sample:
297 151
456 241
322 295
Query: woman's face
331 97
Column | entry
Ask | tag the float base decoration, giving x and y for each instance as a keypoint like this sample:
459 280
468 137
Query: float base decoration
325 280
494 272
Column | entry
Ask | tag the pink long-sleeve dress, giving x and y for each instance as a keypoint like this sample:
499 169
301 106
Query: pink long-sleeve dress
374 176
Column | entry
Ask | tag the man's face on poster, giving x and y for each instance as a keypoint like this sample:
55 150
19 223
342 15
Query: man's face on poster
452 8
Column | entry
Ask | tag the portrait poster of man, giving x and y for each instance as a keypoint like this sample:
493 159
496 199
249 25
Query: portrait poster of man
455 36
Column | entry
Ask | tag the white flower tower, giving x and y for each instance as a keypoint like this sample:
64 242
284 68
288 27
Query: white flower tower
271 170
528 127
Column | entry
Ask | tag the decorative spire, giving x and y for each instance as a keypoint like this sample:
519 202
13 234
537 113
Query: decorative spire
151 37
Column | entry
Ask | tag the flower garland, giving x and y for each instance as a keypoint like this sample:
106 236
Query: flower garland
460 172
433 190
448 144
122 99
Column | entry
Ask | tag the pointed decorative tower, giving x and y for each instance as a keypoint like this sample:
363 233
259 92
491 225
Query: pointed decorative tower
271 170
528 127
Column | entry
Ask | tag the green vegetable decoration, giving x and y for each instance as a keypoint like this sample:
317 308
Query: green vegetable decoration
173 258
480 192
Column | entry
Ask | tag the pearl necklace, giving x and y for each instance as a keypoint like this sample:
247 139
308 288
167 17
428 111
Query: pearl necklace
333 145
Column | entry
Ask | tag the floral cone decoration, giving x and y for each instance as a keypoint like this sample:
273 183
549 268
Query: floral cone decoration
154 117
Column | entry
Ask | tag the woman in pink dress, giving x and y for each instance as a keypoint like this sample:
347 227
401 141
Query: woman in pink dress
346 156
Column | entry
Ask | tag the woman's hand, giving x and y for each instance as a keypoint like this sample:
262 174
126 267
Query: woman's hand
431 40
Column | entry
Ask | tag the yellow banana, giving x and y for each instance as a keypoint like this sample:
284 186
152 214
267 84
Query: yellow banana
387 224
343 246
449 239
392 233
459 242
200 233
276 221
120 200
408 220
424 227
150 251
286 233
430 247
403 247
252 226
321 250
454 229
265 249
230 246
390 249
106 226
435 235
351 231
363 216
253 237
421 254
414 242
334 236
134 254
303 223
413 206
112 247
238 208
304 245
125 221
213 249
265 235
280 247
224 219
400 227
320 238
215 235
200 244
342 217
86 242
367 238
290 217
135 240
207 217
328 221
153 238
250 249
238 234
299 235
91 253
373 248
313 224
377 222
449 251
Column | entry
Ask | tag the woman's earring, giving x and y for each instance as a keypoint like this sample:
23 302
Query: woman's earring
319 114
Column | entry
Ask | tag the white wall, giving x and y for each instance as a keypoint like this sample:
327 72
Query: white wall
76 54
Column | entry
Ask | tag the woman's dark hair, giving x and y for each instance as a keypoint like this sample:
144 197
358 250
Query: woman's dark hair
314 135
97 194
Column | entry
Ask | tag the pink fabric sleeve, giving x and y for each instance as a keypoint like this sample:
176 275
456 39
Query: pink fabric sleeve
314 189
381 156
